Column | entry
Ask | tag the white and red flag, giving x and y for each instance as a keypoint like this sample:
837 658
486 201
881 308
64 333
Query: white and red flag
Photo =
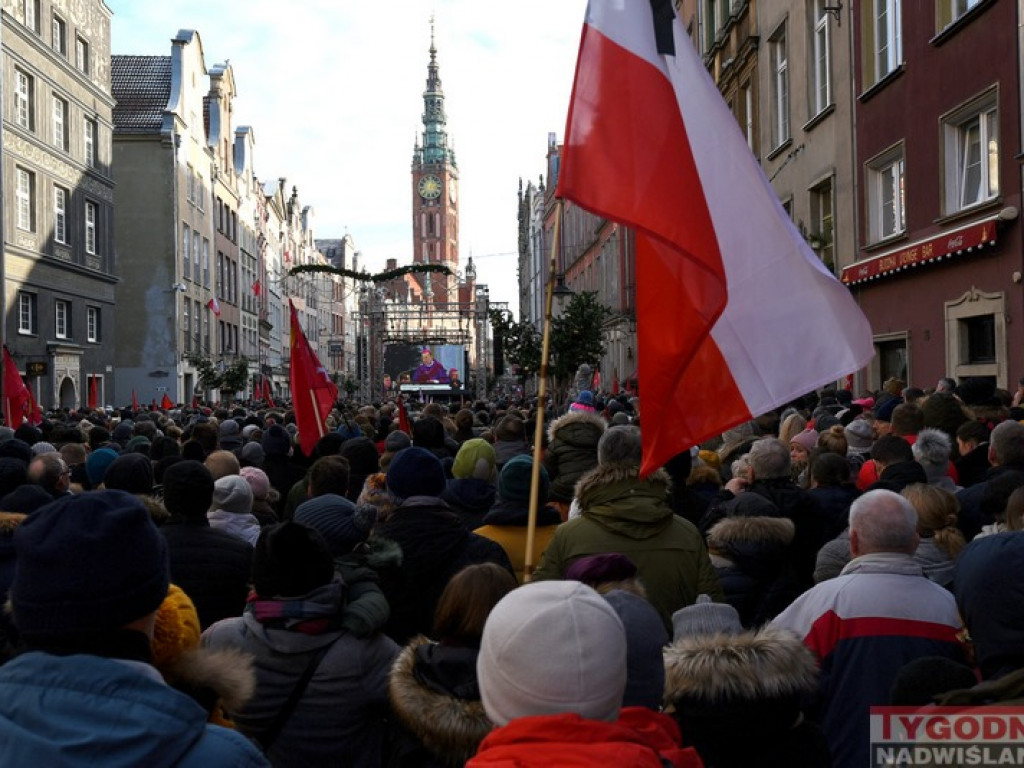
735 314
214 306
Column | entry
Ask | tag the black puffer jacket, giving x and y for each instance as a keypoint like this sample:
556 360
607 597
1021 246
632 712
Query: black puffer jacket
739 698
211 566
435 546
572 451
753 559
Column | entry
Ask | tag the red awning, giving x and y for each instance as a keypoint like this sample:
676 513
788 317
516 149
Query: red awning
967 239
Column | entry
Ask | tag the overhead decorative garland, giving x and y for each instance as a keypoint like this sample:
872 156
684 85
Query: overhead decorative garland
378 277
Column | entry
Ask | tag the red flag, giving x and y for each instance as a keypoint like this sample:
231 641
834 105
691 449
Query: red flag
35 413
255 388
166 403
268 395
403 417
257 289
17 399
93 397
135 402
313 392
673 164
597 381
195 401
214 306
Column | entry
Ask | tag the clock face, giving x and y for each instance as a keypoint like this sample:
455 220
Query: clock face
429 187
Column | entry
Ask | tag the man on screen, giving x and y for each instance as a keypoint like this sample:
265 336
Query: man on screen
429 371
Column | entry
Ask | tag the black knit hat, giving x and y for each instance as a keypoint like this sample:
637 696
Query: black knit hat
290 560
516 478
25 499
188 489
13 472
335 518
87 563
276 441
131 472
415 472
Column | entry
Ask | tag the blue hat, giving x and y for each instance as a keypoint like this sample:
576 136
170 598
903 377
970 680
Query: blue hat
87 563
97 463
334 517
415 472
586 397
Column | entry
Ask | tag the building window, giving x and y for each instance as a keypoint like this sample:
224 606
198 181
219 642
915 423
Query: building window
26 312
891 360
976 336
186 256
91 211
822 235
780 87
195 256
888 38
887 195
30 9
747 119
24 193
60 123
200 194
206 263
186 324
89 142
190 185
62 319
82 55
92 324
23 100
60 215
60 44
821 70
971 138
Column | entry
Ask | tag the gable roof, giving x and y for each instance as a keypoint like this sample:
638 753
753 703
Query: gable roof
142 87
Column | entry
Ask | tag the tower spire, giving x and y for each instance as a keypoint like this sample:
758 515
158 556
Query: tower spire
434 149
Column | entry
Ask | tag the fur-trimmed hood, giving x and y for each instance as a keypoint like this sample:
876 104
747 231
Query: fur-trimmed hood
769 664
600 477
579 429
219 680
449 727
730 531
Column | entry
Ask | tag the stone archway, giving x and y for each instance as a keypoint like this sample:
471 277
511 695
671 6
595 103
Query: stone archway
67 397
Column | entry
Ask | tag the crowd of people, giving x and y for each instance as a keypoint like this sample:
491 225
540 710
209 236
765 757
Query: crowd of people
187 587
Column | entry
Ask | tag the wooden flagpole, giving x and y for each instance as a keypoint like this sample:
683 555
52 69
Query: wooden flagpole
542 393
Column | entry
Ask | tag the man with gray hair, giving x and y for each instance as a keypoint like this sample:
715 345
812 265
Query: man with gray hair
879 614
1005 453
624 513
770 478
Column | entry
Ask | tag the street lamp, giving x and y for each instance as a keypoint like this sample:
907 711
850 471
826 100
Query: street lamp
561 296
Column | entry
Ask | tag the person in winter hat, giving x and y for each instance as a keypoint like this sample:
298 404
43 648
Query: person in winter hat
346 527
584 402
211 565
932 451
434 542
292 625
91 574
552 674
231 509
471 491
507 521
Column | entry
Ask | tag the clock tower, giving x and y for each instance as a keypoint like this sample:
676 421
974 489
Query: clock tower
435 187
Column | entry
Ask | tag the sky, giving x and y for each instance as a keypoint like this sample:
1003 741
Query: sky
334 94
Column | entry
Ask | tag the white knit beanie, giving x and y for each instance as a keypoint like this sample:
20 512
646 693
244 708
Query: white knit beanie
552 647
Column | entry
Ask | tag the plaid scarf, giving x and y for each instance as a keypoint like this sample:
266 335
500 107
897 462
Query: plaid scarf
313 614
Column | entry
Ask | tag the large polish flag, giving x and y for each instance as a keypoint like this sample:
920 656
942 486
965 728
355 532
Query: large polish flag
735 314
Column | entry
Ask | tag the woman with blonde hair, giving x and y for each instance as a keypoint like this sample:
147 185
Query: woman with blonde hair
792 426
941 540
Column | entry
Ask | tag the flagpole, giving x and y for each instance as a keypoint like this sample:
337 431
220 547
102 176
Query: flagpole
542 393
316 410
